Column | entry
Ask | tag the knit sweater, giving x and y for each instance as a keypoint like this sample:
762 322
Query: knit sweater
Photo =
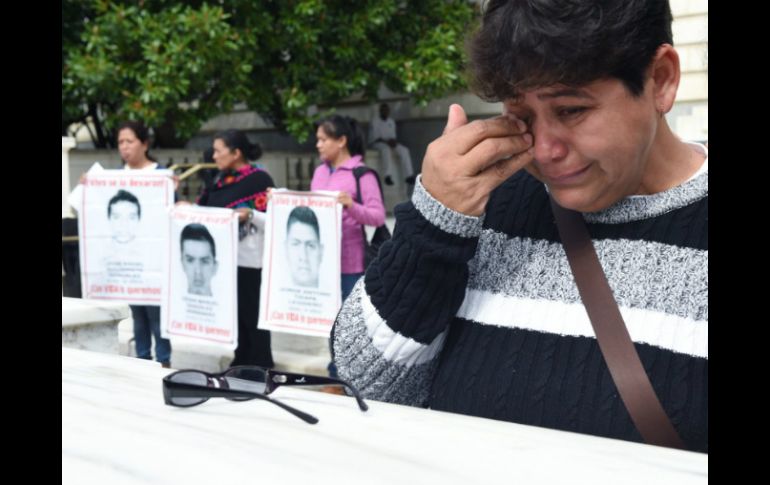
481 315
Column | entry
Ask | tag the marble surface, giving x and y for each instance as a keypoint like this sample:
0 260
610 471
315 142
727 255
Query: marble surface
91 324
291 353
78 311
116 429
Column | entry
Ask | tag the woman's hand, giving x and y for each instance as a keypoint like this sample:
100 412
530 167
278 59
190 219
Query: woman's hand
244 214
183 202
464 165
345 199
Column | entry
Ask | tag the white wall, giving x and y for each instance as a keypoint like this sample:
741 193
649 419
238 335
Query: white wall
689 118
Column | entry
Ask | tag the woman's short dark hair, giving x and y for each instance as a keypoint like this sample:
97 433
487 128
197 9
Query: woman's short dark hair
237 139
337 126
141 132
525 44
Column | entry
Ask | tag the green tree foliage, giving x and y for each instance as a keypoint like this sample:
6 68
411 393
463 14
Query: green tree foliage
177 64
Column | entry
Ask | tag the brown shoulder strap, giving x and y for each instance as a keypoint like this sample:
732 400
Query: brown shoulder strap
618 350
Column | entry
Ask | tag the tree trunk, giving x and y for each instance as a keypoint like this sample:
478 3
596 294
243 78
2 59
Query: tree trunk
102 139
165 136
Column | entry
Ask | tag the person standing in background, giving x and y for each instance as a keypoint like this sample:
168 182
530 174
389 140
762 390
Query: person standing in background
341 149
133 144
242 186
382 137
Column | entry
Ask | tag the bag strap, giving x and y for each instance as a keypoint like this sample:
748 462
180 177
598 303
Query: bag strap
615 343
359 172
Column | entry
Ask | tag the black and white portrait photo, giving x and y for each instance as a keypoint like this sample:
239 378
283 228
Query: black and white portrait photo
199 298
124 229
301 269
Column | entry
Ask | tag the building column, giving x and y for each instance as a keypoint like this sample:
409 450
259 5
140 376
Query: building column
67 143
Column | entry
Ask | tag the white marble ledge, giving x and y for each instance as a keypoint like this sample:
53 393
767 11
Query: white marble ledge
77 311
116 429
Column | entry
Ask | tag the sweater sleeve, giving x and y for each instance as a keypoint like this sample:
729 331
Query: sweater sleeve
263 181
372 211
391 329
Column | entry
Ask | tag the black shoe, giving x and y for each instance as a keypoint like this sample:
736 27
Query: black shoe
388 180
410 179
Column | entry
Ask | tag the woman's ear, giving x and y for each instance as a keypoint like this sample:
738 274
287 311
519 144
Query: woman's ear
665 75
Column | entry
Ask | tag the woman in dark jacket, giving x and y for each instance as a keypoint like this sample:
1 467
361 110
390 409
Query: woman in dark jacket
241 186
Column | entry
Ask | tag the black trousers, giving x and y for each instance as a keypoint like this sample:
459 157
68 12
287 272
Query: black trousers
253 345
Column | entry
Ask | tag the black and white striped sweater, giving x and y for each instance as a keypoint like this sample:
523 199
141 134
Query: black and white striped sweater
481 316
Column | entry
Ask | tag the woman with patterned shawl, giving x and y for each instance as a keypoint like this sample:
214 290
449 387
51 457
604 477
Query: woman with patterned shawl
243 187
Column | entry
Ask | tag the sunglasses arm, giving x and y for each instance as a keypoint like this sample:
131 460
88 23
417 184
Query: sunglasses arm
290 379
192 390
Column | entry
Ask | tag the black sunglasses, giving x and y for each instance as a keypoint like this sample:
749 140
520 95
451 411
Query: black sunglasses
186 388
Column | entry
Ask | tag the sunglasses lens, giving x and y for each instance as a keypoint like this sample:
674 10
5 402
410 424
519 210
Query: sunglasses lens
246 379
189 378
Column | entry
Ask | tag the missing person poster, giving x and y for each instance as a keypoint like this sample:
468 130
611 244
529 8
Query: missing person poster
200 293
301 270
123 224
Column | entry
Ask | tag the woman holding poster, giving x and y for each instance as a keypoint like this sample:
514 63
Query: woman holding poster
133 144
242 186
340 146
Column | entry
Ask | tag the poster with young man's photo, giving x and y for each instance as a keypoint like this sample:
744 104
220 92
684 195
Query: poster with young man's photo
123 224
200 293
300 290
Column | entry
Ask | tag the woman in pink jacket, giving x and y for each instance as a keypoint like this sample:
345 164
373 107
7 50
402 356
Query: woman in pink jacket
341 149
